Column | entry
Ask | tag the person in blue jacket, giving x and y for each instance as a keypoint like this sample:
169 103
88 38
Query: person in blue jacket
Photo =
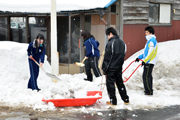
36 50
149 58
92 55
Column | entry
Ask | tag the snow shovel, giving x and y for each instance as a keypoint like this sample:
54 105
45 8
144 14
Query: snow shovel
127 78
90 99
48 74
100 64
81 64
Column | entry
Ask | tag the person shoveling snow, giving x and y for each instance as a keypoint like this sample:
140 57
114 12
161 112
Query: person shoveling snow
36 50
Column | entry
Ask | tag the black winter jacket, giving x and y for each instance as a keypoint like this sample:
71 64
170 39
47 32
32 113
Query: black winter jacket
114 55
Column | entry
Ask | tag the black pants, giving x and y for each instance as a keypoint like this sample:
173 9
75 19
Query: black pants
148 79
92 62
113 77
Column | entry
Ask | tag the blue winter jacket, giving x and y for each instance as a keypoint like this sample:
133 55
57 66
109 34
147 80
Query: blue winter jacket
91 46
150 51
39 56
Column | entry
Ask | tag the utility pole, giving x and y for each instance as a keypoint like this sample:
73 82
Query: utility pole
54 53
119 18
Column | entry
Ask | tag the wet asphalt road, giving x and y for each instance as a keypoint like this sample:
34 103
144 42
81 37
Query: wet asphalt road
168 113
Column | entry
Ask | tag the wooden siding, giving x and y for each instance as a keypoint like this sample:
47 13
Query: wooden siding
162 1
176 7
136 11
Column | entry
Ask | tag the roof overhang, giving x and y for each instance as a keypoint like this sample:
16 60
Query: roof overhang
44 6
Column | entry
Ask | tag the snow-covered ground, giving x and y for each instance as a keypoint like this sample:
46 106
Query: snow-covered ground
14 76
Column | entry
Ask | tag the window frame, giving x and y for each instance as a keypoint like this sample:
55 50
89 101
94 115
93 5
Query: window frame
158 23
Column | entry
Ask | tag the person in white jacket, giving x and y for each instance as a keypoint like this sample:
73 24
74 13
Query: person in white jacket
149 58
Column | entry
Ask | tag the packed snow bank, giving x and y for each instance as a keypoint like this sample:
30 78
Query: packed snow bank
166 71
14 76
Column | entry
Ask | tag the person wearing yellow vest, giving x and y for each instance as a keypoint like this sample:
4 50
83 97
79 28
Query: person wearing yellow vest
149 58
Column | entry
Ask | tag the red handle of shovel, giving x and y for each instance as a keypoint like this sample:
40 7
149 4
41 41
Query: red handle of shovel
126 79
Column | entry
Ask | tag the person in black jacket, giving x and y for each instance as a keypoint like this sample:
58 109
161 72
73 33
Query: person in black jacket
92 55
112 66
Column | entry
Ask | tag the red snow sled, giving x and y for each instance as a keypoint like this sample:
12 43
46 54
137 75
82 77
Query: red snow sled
92 97
126 79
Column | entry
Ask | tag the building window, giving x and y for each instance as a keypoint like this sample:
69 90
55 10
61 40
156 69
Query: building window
3 29
165 13
37 25
113 8
153 13
18 29
63 38
159 13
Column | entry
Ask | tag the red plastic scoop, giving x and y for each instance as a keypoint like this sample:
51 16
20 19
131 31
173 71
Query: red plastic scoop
92 97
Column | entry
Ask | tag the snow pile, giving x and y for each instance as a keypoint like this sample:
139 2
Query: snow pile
166 70
14 76
166 78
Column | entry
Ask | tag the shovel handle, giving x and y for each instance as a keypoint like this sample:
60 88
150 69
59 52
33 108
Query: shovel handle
37 63
101 59
83 60
104 21
126 79
130 64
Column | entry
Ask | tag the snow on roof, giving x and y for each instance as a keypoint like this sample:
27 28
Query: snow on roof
44 6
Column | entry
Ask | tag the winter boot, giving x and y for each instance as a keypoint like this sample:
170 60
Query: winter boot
109 103
126 101
87 79
145 93
38 90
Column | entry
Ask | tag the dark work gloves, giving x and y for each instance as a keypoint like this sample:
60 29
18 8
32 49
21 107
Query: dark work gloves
137 60
143 63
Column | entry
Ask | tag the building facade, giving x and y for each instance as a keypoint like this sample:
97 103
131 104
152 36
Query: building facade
129 17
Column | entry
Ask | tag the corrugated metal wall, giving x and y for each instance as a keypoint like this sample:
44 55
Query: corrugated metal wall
176 29
134 37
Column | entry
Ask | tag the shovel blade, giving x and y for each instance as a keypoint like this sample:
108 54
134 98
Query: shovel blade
79 64
52 76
